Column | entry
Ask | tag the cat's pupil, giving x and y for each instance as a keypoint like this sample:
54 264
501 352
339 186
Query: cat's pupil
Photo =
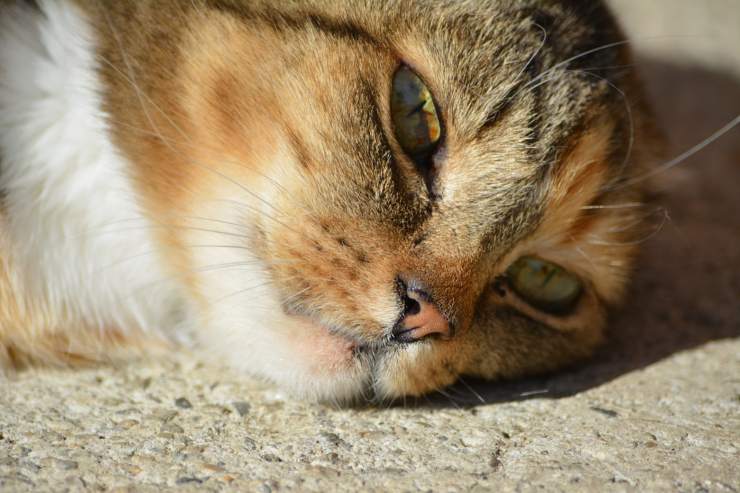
416 124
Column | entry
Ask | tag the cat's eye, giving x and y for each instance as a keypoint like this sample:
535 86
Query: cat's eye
415 121
545 285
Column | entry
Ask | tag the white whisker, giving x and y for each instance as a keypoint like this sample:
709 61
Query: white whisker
626 205
684 155
472 391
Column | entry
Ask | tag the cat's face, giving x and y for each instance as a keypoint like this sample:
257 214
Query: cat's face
500 212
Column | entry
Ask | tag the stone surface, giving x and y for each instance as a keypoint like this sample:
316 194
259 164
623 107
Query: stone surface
672 425
657 410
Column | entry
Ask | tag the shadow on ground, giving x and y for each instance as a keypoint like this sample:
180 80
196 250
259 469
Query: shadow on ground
686 290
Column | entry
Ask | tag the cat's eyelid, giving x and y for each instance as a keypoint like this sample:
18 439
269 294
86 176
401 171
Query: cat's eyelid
545 285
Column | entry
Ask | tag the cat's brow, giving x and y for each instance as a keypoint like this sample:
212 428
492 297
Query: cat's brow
299 21
499 108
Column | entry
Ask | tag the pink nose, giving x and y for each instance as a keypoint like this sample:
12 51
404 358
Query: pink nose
421 318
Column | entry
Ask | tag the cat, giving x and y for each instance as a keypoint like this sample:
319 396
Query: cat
353 200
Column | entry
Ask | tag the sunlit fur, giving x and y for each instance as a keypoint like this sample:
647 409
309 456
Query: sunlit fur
69 217
242 158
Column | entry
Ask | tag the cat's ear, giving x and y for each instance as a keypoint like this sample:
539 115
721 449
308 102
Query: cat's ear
576 179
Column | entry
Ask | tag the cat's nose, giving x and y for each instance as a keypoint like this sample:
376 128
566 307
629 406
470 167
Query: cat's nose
420 318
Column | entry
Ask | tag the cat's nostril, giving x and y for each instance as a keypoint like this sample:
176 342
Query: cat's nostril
410 306
421 318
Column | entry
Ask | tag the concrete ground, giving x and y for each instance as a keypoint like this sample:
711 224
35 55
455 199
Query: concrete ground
657 410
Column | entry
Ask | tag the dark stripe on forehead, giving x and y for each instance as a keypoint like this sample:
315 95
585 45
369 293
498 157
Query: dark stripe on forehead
534 38
296 20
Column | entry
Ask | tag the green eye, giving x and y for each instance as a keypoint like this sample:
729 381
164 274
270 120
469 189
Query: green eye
545 285
414 115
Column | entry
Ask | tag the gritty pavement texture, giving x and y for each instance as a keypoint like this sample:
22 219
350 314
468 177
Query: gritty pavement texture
658 409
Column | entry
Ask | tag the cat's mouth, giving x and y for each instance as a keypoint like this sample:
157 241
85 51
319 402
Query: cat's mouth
331 347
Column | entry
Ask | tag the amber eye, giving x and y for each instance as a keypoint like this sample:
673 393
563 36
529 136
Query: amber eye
544 285
414 115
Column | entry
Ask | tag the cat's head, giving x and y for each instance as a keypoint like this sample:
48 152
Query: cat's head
378 199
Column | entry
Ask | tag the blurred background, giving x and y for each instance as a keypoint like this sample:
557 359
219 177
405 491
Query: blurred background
687 290
704 33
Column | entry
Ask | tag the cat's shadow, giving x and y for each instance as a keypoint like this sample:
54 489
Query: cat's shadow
687 286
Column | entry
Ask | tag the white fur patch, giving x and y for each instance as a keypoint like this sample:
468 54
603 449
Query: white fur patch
245 325
79 240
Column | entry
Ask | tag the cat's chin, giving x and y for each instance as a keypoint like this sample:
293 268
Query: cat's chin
338 369
312 361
